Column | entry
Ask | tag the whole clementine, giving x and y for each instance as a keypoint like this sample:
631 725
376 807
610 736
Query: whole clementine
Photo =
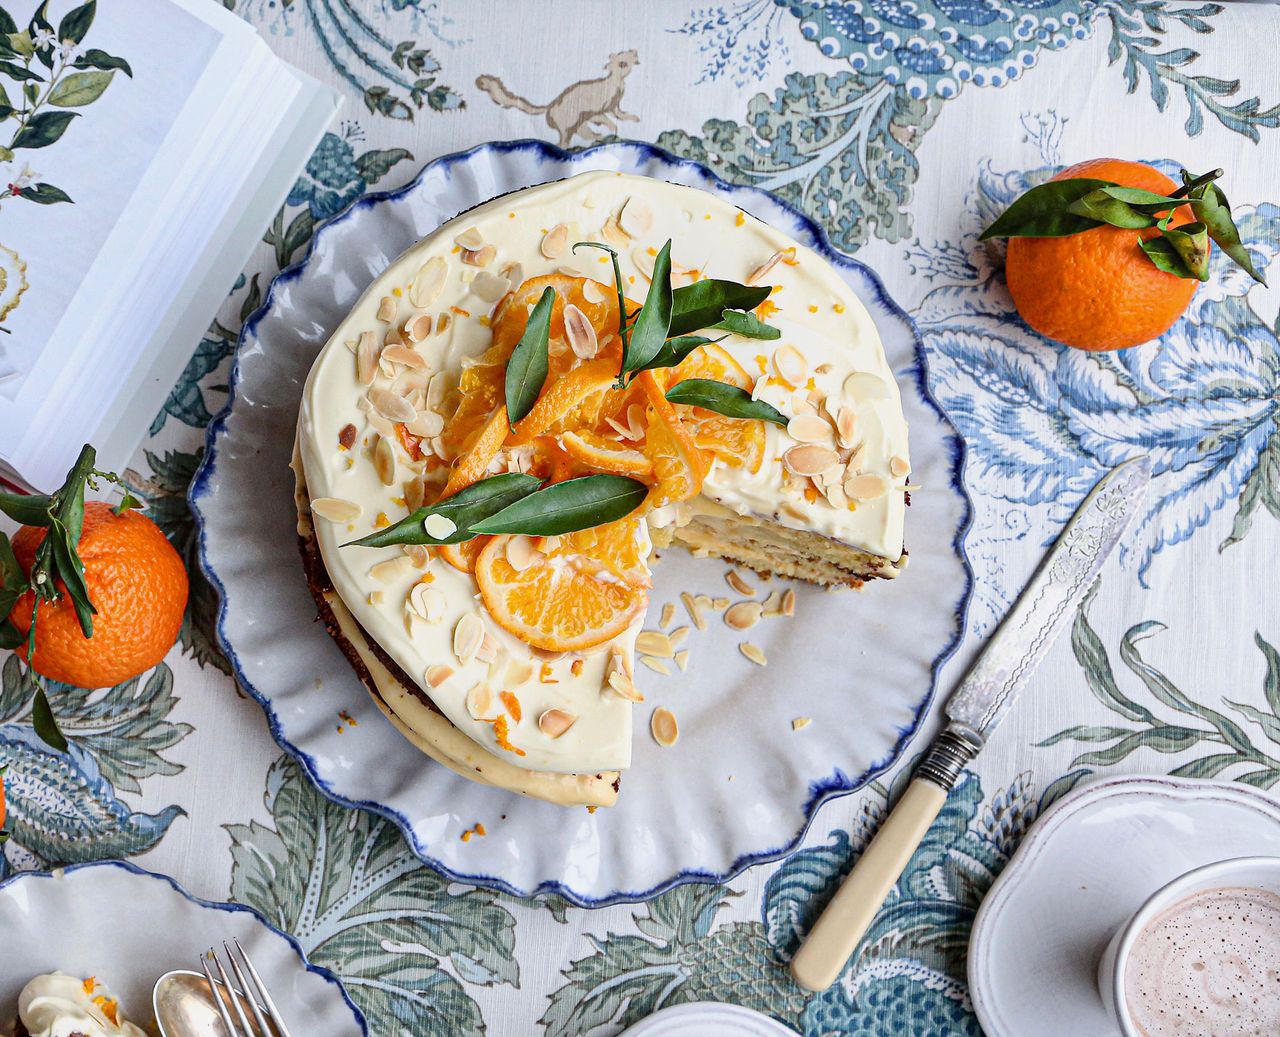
136 582
1097 290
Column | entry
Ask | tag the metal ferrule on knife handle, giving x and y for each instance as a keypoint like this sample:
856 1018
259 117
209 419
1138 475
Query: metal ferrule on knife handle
948 756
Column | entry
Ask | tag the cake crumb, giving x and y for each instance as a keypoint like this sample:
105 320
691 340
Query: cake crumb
800 723
753 652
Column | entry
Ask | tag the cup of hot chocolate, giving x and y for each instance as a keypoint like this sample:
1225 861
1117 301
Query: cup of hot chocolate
1201 956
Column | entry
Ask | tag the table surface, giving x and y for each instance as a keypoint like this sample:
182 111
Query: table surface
901 134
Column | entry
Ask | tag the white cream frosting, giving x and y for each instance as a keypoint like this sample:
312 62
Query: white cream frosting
817 314
58 1005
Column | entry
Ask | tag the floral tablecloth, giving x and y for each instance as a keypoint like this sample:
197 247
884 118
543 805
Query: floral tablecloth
901 128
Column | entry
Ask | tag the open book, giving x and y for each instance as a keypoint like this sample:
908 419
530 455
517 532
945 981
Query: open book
144 148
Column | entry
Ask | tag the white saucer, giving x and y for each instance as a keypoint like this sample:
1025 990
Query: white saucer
708 1019
1080 872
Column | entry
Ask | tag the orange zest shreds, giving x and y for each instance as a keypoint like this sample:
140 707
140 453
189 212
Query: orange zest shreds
109 1008
89 984
501 732
381 522
466 836
811 494
740 219
479 829
463 556
512 703
762 362
397 292
766 309
813 308
838 307
605 454
427 578
544 675
575 667
412 444
459 311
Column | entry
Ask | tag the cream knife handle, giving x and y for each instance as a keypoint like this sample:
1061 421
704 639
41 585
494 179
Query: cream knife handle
846 919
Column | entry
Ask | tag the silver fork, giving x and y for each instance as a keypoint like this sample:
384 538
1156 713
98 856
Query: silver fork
257 1000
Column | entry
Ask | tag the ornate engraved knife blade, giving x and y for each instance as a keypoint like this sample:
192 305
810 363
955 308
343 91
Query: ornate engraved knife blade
977 705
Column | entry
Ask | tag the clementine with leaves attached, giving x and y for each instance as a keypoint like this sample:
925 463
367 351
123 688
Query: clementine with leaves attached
136 583
1097 290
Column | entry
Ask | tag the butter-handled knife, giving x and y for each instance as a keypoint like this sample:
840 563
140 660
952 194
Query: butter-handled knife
977 705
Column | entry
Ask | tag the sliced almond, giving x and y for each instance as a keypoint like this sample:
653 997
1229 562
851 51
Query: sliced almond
521 553
614 234
514 273
426 423
391 406
790 365
393 337
899 466
480 704
406 356
663 726
654 642
384 461
668 614
467 636
846 426
335 509
644 259
692 607
682 659
519 671
555 722
417 328
386 309
862 386
857 458
744 615
761 272
656 665
555 241
580 332
438 674
809 459
367 351
418 554
866 487
594 291
439 526
809 428
480 256
426 602
490 287
623 686
391 569
800 723
739 583
678 635
428 282
636 218
443 322
753 652
469 239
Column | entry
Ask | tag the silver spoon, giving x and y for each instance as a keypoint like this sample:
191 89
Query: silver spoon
184 1007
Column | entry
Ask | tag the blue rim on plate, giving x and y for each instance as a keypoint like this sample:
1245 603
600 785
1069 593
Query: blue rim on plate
212 905
820 791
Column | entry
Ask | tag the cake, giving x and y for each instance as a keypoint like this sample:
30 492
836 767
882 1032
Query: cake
59 1005
769 433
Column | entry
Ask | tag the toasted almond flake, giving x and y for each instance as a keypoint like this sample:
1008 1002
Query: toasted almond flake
636 218
480 704
739 583
490 287
899 466
439 526
442 323
682 659
488 650
428 282
513 272
623 686
613 234
555 241
426 423
809 459
834 492
862 386
470 239
391 406
663 727
789 364
386 309
336 509
427 602
467 636
376 597
809 428
519 671
479 257
367 350
644 259
417 328
866 487
846 426
581 334
384 461
668 614
418 554
438 674
761 272
744 615
695 612
654 642
753 652
800 723
398 354
719 604
521 553
657 665
555 722
857 458
594 291
381 425
391 569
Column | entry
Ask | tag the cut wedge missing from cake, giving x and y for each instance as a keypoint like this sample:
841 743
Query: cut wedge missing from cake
496 437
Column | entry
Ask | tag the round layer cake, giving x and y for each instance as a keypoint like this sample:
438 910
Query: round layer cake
510 658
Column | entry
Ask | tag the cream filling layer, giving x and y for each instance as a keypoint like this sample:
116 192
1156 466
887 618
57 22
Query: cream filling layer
820 318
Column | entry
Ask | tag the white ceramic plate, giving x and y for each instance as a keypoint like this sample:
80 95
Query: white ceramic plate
740 787
1081 871
708 1019
128 927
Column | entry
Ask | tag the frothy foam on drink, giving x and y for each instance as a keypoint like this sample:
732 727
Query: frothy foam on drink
1210 965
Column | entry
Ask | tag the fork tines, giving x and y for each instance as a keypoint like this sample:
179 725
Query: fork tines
240 994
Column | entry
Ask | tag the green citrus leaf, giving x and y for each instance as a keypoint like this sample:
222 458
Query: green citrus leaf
1098 205
1191 242
723 398
42 719
464 509
566 507
95 58
1136 196
10 635
617 285
75 23
1042 212
652 324
43 129
79 89
527 368
702 304
44 194
32 510
13 581
1213 210
15 71
1162 253
748 325
675 350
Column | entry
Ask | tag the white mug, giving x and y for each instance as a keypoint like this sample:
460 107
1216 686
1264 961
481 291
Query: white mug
1249 872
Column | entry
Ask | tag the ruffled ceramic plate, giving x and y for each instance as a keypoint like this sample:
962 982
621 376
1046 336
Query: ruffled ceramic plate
128 927
740 787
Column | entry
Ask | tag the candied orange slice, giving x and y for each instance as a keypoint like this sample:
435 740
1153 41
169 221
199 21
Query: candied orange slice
472 465
606 454
738 442
561 602
463 556
617 547
565 401
677 462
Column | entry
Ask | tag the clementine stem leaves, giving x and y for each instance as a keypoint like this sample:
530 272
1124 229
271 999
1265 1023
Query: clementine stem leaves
527 368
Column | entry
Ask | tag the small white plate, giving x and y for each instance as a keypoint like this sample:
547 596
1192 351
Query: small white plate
128 927
1081 871
708 1019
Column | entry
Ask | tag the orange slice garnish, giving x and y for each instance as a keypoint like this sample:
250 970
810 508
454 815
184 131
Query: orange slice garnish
463 556
738 442
677 462
605 454
561 602
566 401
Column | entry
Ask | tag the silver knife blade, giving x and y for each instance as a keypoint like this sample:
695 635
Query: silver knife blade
1048 602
